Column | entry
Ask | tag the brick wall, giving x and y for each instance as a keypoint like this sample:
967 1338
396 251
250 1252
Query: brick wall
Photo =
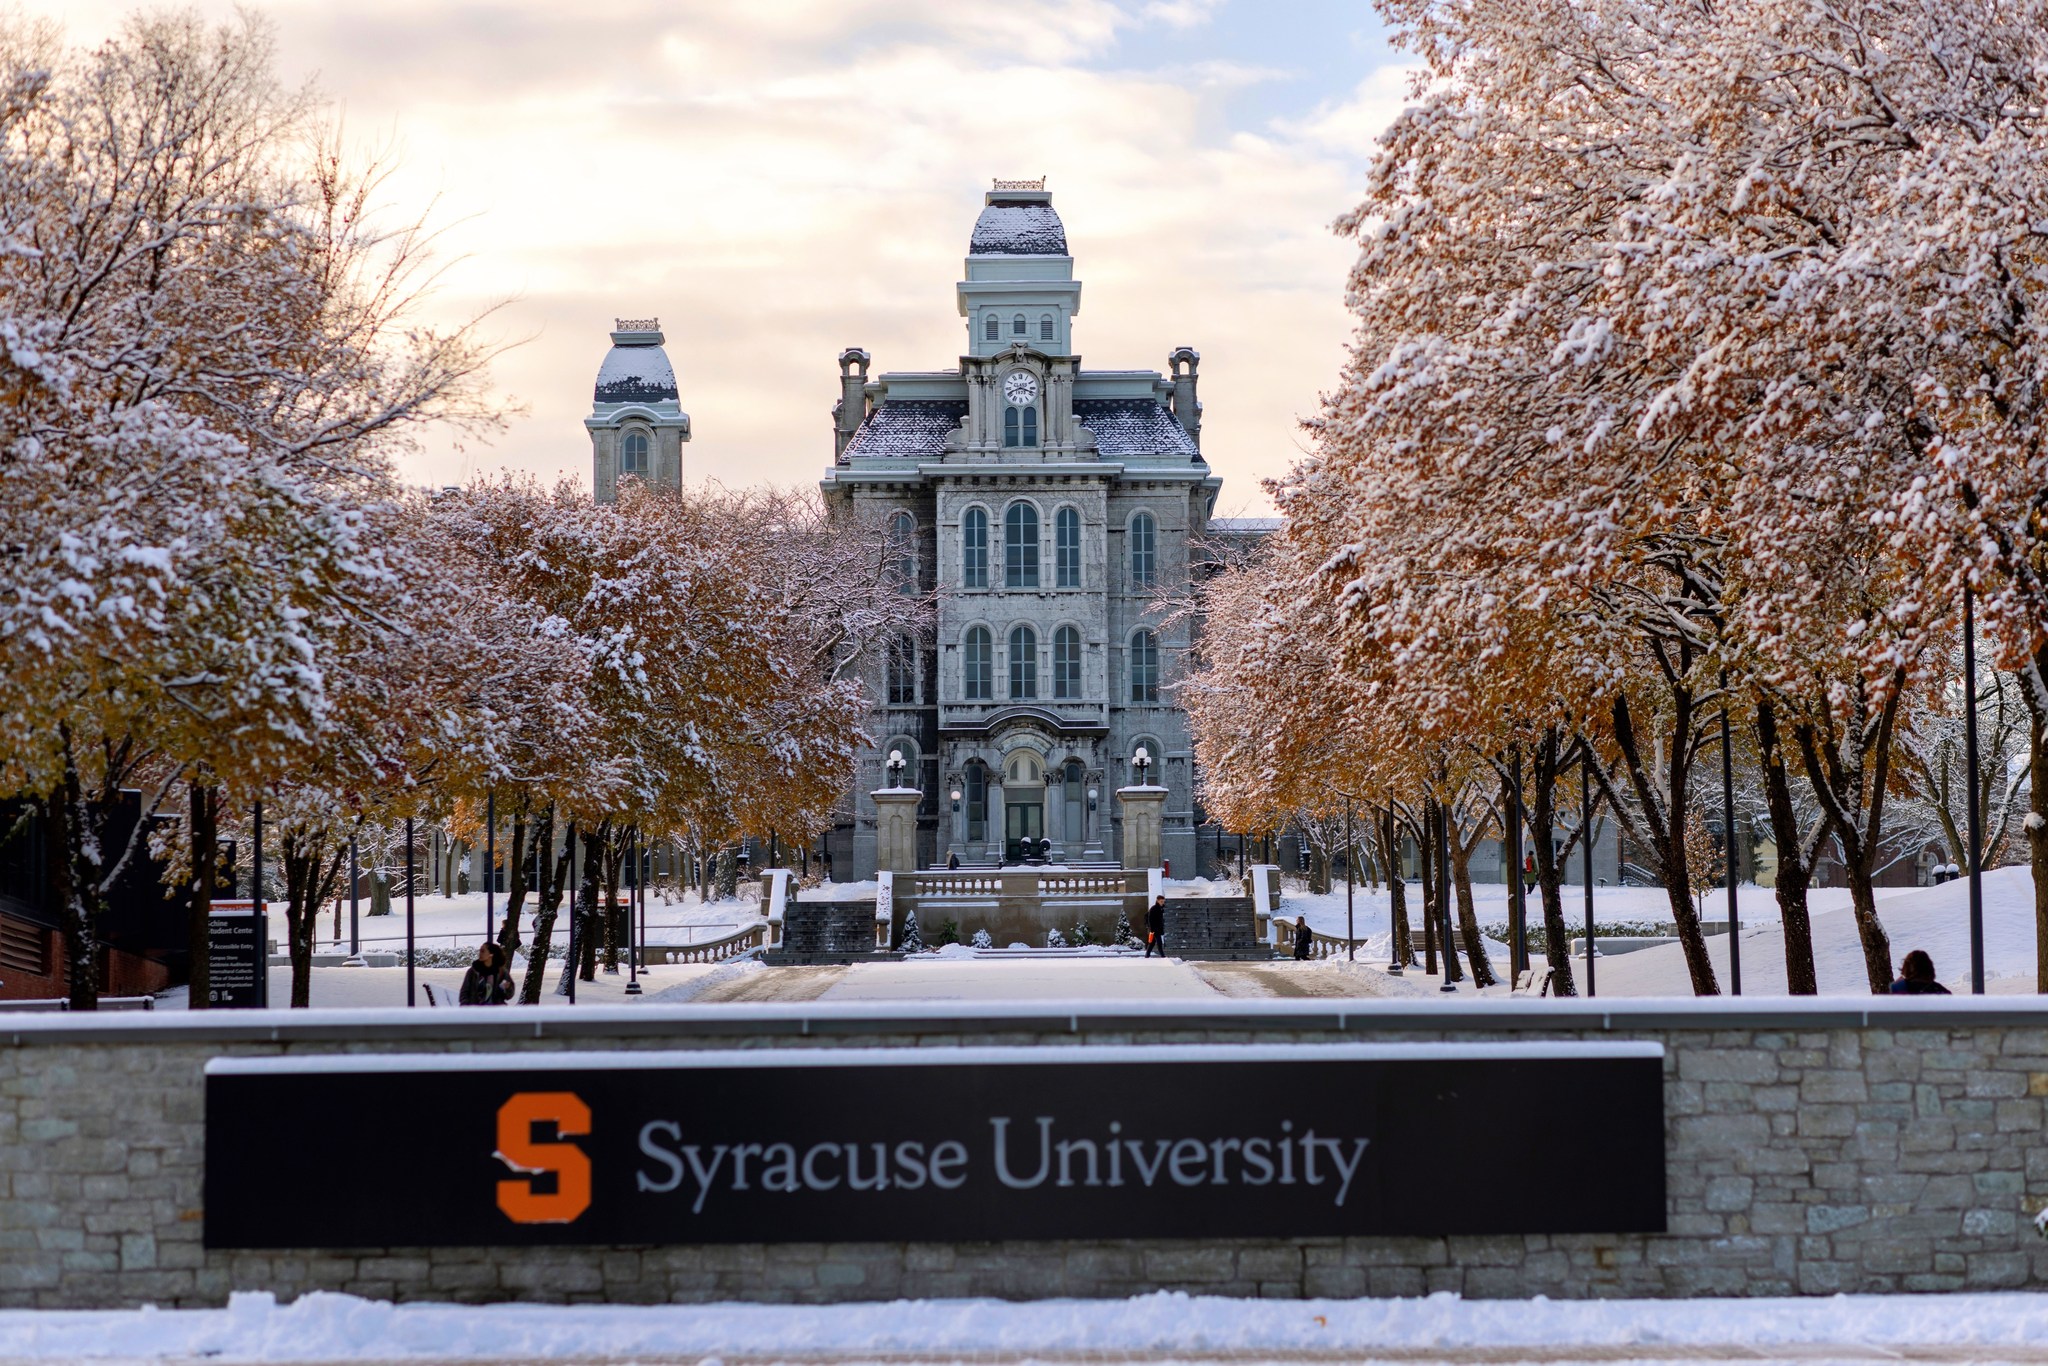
1895 1147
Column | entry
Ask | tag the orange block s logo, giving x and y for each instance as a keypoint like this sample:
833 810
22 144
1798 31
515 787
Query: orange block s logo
518 1150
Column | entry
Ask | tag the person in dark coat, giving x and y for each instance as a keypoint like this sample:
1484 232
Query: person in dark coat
953 862
487 983
1304 939
1916 977
1155 927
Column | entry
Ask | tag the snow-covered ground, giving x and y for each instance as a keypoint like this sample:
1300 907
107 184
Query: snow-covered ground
1158 1327
458 921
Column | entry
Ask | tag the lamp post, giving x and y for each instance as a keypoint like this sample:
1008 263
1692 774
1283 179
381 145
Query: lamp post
632 904
1350 928
490 865
1975 817
895 767
1393 870
411 995
1586 851
1141 761
355 899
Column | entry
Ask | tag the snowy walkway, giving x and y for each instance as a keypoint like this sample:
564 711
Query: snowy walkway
1152 1328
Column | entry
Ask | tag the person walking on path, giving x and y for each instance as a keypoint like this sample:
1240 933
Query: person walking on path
1304 942
1916 977
1155 928
487 983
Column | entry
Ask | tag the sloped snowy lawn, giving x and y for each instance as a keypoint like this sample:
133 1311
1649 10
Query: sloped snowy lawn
320 1327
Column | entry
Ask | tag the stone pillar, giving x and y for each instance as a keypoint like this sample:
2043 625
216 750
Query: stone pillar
1092 820
1056 817
896 829
995 822
1144 809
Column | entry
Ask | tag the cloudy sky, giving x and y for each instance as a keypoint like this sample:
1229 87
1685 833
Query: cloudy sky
779 179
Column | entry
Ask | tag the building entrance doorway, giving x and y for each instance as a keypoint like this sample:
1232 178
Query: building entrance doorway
1022 821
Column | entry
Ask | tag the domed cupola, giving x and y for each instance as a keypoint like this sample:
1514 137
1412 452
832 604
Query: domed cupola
636 369
1018 222
1020 288
637 425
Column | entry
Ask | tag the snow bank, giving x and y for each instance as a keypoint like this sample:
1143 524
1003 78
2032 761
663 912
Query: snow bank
325 1327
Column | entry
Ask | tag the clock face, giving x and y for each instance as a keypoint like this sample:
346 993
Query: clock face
1021 387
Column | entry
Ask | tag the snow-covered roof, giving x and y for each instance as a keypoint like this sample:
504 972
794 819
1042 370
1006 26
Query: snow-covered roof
916 429
1126 427
1018 228
1244 526
636 372
905 429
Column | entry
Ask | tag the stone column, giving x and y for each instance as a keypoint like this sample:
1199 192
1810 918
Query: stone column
896 829
1056 816
1144 808
1092 820
995 821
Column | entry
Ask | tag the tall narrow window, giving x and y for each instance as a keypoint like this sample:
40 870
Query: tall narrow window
1144 549
1144 667
903 551
1020 426
1045 327
1020 546
1066 548
633 454
1066 664
1030 425
977 800
974 549
992 329
977 665
1017 325
903 672
1023 663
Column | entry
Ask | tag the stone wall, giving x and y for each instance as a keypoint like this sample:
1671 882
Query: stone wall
1811 1148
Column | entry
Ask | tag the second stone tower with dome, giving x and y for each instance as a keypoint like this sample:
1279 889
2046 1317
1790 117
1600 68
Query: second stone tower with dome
1052 508
637 424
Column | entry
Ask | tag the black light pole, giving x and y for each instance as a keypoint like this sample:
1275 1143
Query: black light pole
1586 851
647 873
1518 905
1394 963
1975 817
1443 895
575 964
490 865
355 900
632 900
1728 851
256 875
1350 929
411 995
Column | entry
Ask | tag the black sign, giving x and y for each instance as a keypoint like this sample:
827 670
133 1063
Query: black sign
935 1144
238 960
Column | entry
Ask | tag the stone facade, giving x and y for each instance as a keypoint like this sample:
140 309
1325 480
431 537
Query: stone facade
1050 507
1809 1150
637 425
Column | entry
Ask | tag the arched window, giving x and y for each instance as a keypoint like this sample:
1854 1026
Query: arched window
992 328
903 672
1144 549
974 549
1066 548
1045 327
977 666
1023 664
1066 664
1020 546
903 551
1017 326
976 791
633 454
1144 667
1020 426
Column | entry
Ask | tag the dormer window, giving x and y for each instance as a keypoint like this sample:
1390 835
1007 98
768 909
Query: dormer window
1045 327
633 447
992 328
1017 326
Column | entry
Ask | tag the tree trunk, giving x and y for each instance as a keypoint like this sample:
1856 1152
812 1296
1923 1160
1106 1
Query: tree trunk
1541 800
1468 915
1425 850
1795 867
1841 776
1663 820
2034 688
614 864
515 887
202 829
554 878
1397 892
71 879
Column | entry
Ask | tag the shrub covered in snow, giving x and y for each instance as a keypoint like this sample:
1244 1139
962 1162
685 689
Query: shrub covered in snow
1082 936
982 940
1054 939
948 933
1123 930
912 938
